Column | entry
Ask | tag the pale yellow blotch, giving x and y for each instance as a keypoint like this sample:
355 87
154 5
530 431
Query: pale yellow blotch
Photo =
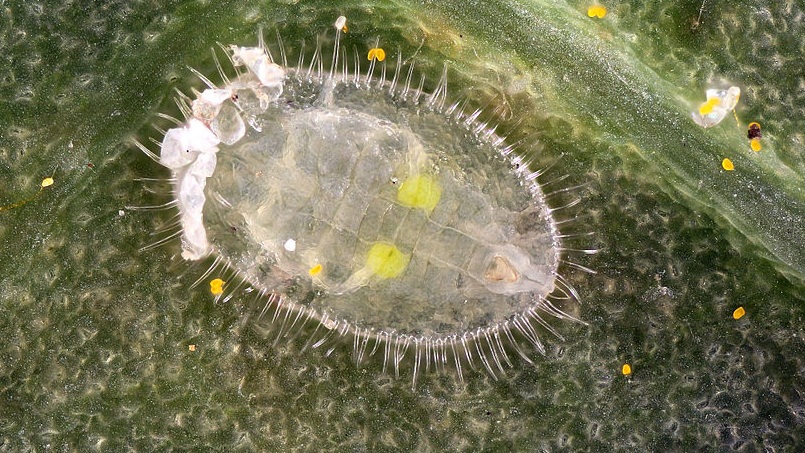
727 164
598 11
420 191
47 182
315 270
626 369
217 287
191 348
376 54
386 261
738 313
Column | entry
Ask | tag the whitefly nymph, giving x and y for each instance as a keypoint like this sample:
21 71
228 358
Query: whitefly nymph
357 201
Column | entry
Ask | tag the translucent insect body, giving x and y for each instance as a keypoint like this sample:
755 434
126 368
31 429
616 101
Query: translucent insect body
366 204
718 105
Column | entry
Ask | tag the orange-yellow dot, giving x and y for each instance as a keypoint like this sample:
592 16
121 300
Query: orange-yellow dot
626 369
217 287
376 53
598 11
191 347
315 270
755 144
47 182
727 164
738 313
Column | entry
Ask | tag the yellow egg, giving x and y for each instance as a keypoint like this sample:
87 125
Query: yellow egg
315 270
376 54
217 287
598 11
